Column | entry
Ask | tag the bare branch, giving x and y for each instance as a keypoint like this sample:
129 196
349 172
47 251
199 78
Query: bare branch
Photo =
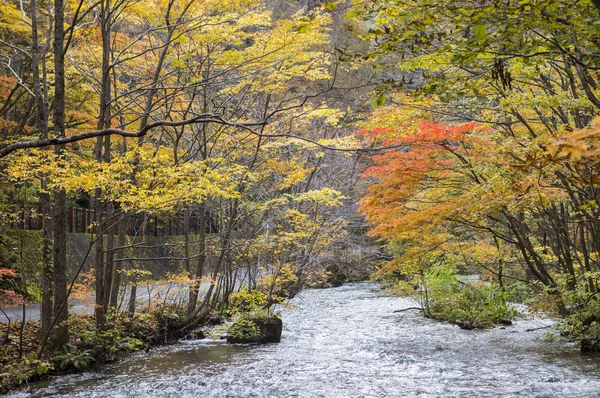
202 118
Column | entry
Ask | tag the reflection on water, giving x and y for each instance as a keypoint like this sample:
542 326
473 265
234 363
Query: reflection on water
347 342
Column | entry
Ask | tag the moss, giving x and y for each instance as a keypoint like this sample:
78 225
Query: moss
244 330
256 329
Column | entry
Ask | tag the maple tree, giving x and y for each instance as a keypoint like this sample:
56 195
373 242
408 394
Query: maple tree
515 194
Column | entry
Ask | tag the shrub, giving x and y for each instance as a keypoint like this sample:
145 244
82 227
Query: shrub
68 357
129 344
244 329
583 322
444 297
518 292
246 300
27 368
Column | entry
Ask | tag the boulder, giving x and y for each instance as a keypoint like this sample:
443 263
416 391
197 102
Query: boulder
590 345
258 330
196 334
336 276
469 325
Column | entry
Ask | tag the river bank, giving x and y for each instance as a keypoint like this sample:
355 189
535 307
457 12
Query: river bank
348 342
88 347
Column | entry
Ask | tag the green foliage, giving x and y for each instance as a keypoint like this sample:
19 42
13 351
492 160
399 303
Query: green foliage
549 337
518 292
400 288
246 301
18 372
380 100
129 344
69 357
255 328
583 323
215 333
444 297
124 335
244 329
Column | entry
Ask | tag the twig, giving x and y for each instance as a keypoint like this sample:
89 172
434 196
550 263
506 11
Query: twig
409 309
7 338
541 327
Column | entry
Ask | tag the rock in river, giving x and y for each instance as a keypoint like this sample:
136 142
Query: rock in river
260 329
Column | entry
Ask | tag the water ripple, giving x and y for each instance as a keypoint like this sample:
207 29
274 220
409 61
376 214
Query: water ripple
347 342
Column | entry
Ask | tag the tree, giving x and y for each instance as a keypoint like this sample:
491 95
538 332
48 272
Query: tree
208 99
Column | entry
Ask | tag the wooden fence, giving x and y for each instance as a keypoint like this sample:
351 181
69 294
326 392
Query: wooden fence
82 220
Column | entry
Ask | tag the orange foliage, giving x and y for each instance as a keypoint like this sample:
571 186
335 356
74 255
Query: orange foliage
7 84
9 298
407 193
7 273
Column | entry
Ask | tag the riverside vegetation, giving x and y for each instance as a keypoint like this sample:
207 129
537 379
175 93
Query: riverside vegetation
244 150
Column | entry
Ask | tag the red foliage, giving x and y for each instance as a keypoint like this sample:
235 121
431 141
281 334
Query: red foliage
424 155
9 298
7 273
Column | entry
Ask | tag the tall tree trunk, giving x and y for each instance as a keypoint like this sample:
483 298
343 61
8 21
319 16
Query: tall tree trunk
186 243
103 274
142 253
99 260
61 333
110 257
42 123
120 254
197 277
132 300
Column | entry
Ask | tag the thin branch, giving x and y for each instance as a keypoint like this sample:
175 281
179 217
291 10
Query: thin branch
202 118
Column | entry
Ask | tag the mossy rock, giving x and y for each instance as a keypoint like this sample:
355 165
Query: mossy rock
257 330
336 276
589 345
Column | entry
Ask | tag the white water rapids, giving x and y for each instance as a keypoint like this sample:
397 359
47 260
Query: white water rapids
348 342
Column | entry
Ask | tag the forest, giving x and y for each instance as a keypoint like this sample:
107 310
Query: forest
171 165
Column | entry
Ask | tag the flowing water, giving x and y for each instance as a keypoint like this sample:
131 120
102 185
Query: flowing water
348 342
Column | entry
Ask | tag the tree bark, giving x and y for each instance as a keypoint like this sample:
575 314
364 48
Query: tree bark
61 333
42 123
197 277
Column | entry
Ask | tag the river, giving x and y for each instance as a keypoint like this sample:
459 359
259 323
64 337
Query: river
348 342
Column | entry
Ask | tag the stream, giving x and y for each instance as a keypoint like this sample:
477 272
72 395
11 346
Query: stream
348 342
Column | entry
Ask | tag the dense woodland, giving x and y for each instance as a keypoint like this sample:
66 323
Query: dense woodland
243 150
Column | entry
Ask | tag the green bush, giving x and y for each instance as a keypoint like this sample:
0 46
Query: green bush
68 357
444 297
129 344
518 292
583 322
28 367
246 301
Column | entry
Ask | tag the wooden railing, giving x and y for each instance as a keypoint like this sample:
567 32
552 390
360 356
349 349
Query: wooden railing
82 220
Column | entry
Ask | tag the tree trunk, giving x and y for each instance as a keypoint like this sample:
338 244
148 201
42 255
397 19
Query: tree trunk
120 254
61 333
99 262
132 300
110 257
42 123
197 277
103 273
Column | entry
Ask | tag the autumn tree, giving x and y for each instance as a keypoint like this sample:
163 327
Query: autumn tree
222 111
524 73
